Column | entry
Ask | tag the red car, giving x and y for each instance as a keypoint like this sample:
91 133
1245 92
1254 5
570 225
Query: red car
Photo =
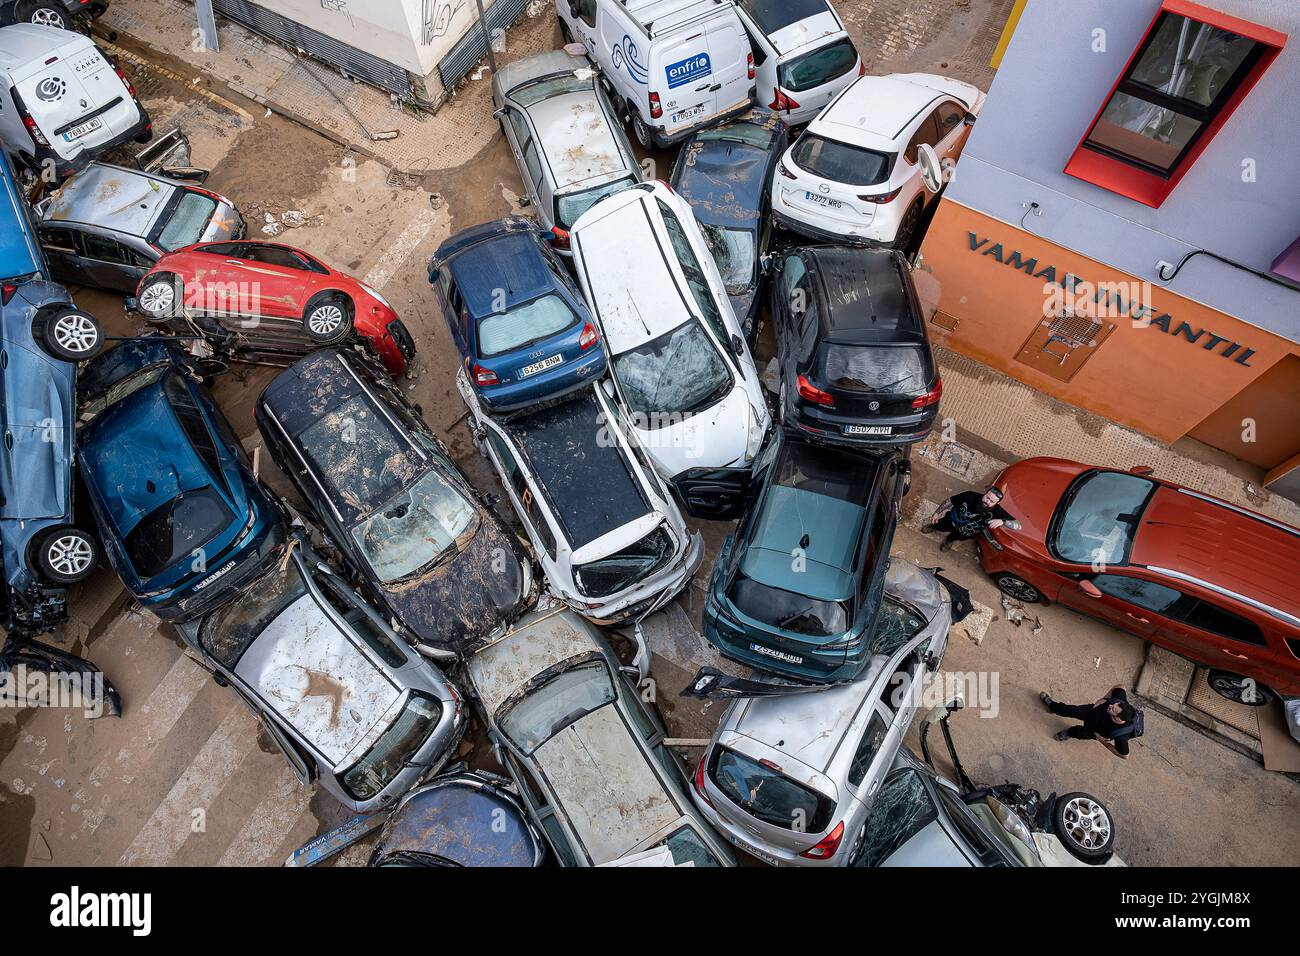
1214 582
271 300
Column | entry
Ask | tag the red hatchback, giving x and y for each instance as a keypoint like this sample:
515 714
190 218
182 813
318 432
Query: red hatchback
1214 582
271 300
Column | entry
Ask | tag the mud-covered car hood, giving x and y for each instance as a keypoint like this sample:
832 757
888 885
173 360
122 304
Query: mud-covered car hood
460 602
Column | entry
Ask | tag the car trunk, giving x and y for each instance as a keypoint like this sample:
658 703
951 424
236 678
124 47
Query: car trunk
873 381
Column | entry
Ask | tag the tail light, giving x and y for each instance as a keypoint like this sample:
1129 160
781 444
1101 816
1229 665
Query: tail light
484 376
7 292
130 87
33 130
749 62
699 777
862 67
811 393
783 102
826 849
785 172
931 397
656 108
882 198
559 237
588 338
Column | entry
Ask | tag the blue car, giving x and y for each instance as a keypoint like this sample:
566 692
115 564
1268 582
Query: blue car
524 333
42 338
181 517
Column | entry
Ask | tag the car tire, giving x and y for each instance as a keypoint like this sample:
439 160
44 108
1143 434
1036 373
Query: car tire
72 335
63 554
565 32
1241 690
640 130
1017 587
328 321
47 15
1085 826
907 228
161 299
144 136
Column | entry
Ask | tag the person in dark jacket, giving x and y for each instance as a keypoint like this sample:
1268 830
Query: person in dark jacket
965 515
1109 720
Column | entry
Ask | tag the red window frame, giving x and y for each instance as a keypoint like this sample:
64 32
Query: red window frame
1145 185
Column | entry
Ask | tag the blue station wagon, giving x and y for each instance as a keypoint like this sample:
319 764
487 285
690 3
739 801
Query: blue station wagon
522 328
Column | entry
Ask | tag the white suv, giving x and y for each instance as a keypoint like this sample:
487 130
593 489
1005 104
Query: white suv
866 168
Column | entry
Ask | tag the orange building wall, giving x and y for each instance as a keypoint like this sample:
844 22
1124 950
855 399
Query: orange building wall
1153 381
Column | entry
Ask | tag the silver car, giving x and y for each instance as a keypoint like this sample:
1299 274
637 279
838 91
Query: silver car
569 146
790 778
567 722
343 697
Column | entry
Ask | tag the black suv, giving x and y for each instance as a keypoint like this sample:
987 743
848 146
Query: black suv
856 366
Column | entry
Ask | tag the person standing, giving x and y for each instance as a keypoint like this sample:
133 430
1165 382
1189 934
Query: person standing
1109 720
965 515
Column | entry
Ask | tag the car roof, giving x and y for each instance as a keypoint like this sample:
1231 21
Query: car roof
1221 546
551 63
874 111
509 262
832 528
538 640
790 24
317 679
577 140
929 846
22 43
18 252
866 295
125 200
658 16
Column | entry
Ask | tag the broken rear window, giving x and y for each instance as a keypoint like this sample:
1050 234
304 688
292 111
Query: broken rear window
788 611
177 530
881 369
549 707
612 574
901 810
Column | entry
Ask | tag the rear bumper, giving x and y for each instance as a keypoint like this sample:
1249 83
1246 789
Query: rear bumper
555 383
184 603
853 236
67 167
830 429
816 667
664 139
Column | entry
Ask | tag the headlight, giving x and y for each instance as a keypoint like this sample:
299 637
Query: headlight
1011 822
758 422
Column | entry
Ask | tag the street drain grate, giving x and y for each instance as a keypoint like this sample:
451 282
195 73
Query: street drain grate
1204 699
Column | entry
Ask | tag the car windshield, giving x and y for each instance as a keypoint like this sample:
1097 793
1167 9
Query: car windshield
681 371
818 67
228 631
177 530
896 624
751 134
840 162
618 571
1099 516
788 611
733 251
399 743
572 205
415 528
767 794
686 847
901 810
893 369
188 221
567 696
532 93
523 325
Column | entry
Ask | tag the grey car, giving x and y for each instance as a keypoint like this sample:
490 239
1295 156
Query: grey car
567 722
791 778
107 226
347 702
570 148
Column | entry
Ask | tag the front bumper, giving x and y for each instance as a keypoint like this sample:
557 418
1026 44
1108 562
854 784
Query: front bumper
658 591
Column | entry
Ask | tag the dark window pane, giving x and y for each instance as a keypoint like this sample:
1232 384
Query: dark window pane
1210 617
902 809
1145 594
176 531
1189 60
897 370
868 747
818 67
840 162
768 794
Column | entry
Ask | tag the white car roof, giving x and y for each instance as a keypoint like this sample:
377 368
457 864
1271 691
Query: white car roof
24 43
874 112
576 138
318 680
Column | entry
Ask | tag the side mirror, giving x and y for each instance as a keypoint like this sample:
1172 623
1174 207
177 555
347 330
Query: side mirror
434 272
767 263
1142 470
968 119
608 387
1090 589
737 344
931 167
499 114
950 706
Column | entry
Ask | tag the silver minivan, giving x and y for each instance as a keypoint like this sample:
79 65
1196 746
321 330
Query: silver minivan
570 149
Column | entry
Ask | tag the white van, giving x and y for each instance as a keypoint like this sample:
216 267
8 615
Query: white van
674 66
62 103
802 53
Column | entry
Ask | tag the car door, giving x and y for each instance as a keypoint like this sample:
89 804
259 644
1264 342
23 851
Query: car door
272 281
1208 632
1127 601
950 124
109 264
928 133
524 146
873 750
61 252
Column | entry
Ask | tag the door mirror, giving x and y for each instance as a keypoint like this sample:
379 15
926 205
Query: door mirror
608 387
968 119
737 344
1142 470
950 706
1090 589
931 168
767 264
499 114
434 273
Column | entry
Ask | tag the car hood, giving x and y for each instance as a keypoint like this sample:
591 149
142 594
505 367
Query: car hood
457 604
1033 488
712 438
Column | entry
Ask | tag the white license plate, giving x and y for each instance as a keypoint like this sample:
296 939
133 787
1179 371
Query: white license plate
867 430
81 129
688 114
541 366
822 200
778 655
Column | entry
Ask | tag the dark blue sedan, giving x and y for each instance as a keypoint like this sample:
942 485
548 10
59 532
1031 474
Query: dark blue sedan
522 328
181 517
725 173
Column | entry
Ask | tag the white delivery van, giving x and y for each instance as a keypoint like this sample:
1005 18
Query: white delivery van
62 103
672 66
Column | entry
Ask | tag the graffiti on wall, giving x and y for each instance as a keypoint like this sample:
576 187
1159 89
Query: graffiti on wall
436 17
338 6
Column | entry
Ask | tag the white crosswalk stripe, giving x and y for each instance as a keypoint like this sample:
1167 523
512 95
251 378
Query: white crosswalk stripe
274 816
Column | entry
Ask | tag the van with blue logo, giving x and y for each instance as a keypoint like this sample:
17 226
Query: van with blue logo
671 67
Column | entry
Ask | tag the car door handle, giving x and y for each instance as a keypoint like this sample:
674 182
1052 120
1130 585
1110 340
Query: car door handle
1140 620
1240 657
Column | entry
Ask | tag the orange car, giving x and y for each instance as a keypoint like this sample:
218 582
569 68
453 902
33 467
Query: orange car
1214 582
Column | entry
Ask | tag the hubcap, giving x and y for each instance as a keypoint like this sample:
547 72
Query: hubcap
49 18
1086 823
76 333
326 319
1018 589
70 554
158 298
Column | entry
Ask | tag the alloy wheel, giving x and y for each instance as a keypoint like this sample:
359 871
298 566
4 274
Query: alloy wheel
70 555
158 299
76 333
1087 823
326 320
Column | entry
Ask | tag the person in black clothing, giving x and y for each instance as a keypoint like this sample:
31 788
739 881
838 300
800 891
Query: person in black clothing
965 515
1108 720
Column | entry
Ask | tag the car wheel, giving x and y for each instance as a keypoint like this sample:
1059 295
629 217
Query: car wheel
782 405
328 321
73 335
907 227
161 299
640 130
1084 825
47 15
64 555
1018 588
565 32
1243 690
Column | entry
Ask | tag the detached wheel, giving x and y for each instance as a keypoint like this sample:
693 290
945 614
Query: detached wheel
1242 690
1018 588
161 298
73 335
328 321
47 15
64 555
1084 825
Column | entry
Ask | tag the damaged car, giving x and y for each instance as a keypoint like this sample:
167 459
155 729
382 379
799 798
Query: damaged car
566 720
345 700
790 778
446 571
